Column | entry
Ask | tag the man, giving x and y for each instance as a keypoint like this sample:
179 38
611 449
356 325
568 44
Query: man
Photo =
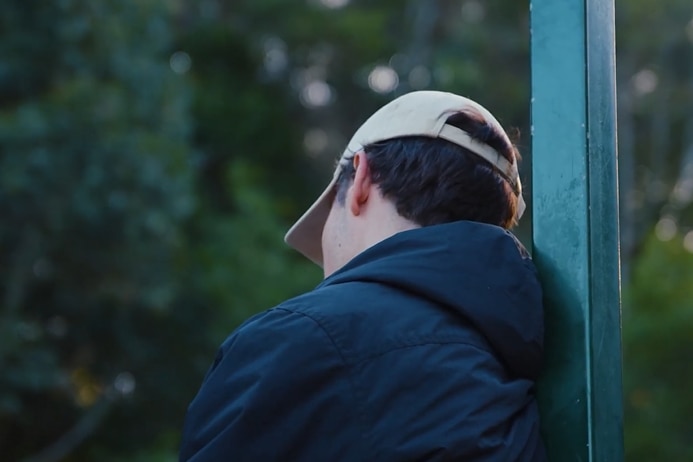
424 340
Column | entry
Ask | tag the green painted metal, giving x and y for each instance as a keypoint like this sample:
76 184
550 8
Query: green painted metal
575 229
605 306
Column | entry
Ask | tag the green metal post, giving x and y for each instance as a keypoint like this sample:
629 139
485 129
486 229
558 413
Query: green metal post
575 229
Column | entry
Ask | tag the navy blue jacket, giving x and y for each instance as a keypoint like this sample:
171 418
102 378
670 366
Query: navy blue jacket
424 347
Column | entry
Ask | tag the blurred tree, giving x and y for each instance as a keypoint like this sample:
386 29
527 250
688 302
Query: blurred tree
658 353
337 61
94 186
655 81
250 175
141 202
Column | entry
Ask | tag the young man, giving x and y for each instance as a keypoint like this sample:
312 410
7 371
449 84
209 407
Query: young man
424 341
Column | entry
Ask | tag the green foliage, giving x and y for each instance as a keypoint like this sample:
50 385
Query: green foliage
655 131
239 260
94 191
140 222
658 319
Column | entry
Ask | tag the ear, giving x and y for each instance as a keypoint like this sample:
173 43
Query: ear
361 186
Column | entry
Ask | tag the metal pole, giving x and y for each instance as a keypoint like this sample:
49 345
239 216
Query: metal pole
575 229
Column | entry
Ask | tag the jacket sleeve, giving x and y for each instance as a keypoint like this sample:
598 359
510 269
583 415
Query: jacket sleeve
452 401
277 391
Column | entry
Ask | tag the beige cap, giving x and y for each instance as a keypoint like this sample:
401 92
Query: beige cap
420 113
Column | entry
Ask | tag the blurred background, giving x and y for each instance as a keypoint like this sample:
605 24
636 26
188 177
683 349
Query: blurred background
153 152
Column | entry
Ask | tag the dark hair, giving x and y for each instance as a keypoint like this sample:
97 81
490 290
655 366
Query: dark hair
433 181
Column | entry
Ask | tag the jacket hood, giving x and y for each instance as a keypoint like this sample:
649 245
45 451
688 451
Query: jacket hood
480 271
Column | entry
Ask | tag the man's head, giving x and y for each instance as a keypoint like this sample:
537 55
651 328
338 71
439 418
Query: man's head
426 158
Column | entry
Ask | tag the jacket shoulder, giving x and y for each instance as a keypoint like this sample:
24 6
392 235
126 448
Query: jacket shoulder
278 378
368 319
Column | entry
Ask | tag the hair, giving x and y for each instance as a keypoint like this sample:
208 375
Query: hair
433 181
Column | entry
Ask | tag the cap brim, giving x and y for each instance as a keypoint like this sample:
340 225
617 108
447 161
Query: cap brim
306 234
